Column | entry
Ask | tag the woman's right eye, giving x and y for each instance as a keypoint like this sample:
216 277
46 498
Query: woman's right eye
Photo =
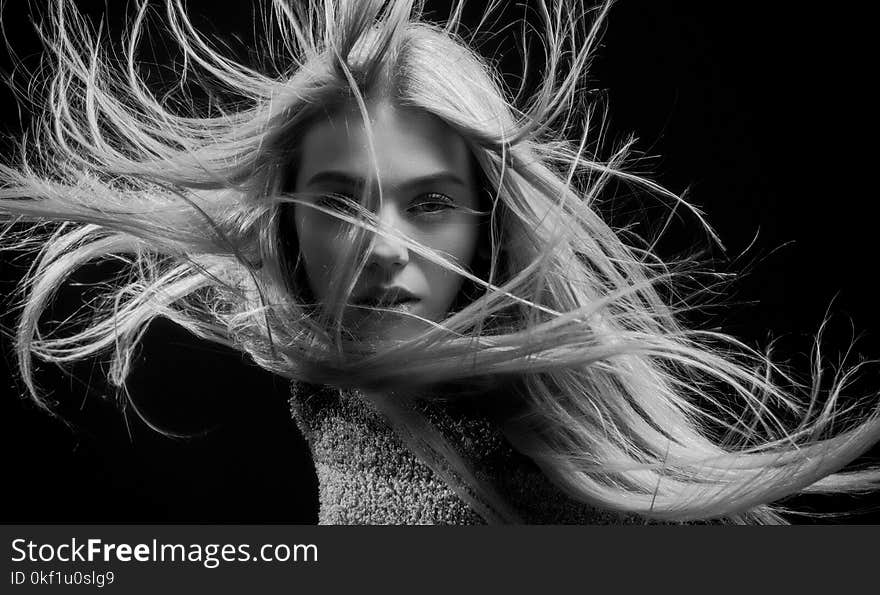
341 203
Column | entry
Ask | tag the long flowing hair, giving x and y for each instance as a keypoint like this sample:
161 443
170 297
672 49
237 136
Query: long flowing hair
608 391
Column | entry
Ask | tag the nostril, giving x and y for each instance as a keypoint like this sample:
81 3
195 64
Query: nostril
387 252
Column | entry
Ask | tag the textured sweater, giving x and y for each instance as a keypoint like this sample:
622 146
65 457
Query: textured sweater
366 474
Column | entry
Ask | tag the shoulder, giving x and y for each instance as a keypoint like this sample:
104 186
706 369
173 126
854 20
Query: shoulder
475 431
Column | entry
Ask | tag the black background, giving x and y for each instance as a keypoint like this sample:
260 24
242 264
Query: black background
761 112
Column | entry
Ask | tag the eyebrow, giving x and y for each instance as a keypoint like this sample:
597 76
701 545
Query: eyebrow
340 177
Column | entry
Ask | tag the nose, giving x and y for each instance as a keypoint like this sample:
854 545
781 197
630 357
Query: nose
388 253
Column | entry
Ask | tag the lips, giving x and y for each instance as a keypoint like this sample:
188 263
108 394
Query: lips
391 297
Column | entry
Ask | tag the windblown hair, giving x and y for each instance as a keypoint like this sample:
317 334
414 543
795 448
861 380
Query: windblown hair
618 402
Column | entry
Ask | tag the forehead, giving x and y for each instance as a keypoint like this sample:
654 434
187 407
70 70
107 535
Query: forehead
408 143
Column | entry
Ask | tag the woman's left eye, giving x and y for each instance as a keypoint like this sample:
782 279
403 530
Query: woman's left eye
431 203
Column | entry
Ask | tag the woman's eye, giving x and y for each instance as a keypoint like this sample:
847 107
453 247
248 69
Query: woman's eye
430 204
341 203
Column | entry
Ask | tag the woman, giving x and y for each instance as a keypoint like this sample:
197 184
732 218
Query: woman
380 225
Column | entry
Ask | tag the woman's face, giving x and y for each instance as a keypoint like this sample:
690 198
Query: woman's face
428 193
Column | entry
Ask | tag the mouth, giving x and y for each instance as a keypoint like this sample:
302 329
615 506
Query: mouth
395 299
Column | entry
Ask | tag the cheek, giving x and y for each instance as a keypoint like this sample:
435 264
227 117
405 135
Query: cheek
316 250
459 242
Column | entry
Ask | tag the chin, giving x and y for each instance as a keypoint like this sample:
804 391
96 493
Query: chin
392 330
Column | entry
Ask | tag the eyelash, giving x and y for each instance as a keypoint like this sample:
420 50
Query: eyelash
432 198
339 202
